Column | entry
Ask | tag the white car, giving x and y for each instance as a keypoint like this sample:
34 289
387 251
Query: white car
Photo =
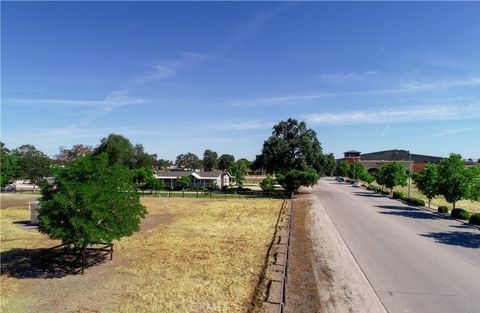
356 184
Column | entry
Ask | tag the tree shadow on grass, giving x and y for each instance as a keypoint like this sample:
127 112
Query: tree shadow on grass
456 238
27 263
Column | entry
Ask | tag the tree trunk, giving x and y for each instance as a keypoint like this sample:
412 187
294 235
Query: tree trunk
453 205
429 200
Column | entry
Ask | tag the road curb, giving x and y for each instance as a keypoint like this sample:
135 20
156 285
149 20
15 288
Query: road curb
444 215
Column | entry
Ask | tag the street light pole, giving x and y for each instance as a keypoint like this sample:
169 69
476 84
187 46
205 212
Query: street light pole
409 172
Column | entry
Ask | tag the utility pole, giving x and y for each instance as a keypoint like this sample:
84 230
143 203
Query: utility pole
409 172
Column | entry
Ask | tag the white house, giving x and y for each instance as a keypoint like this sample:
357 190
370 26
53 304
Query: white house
197 179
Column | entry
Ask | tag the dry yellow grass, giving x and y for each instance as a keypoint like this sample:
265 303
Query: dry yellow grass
200 256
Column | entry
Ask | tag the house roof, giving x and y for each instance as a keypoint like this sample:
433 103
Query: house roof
172 174
198 175
352 151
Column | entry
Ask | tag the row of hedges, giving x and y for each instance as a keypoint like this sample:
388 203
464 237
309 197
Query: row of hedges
456 213
475 219
415 201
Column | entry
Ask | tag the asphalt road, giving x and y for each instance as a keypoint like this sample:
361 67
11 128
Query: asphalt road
416 261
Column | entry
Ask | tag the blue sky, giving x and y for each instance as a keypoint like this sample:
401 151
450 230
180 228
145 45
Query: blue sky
182 77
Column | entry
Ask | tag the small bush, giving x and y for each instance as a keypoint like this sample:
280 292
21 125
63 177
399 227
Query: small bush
460 214
442 209
416 202
384 192
398 195
475 219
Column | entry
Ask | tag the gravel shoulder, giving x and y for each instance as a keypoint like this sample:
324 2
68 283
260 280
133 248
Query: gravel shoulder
328 268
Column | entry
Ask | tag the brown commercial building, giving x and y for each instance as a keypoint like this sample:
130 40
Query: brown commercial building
375 160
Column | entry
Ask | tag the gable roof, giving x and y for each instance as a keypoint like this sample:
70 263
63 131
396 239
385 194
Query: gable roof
197 175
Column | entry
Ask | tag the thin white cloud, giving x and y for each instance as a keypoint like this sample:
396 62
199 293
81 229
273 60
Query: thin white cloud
450 132
244 125
343 76
113 100
404 88
397 115
170 68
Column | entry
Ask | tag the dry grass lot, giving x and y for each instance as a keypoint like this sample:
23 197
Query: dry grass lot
192 255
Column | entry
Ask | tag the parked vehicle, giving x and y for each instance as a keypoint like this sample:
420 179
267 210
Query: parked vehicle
356 184
9 187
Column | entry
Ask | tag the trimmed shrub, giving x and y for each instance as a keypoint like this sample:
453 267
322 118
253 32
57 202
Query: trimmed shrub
384 192
398 195
415 201
475 219
442 209
460 214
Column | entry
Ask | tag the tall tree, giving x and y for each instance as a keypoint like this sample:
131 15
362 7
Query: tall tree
393 174
292 146
141 159
239 170
90 202
163 164
33 164
210 160
427 181
329 163
356 170
342 169
453 179
8 165
118 148
225 161
188 161
474 179
65 155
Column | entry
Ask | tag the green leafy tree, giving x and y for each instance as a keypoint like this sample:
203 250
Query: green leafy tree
183 181
225 161
453 179
8 165
393 174
33 164
163 164
141 159
356 170
188 160
474 178
292 180
367 177
143 177
342 169
210 160
427 181
118 148
292 146
329 164
268 183
90 202
239 170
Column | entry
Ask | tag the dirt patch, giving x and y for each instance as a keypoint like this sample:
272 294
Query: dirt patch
302 292
11 200
90 292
